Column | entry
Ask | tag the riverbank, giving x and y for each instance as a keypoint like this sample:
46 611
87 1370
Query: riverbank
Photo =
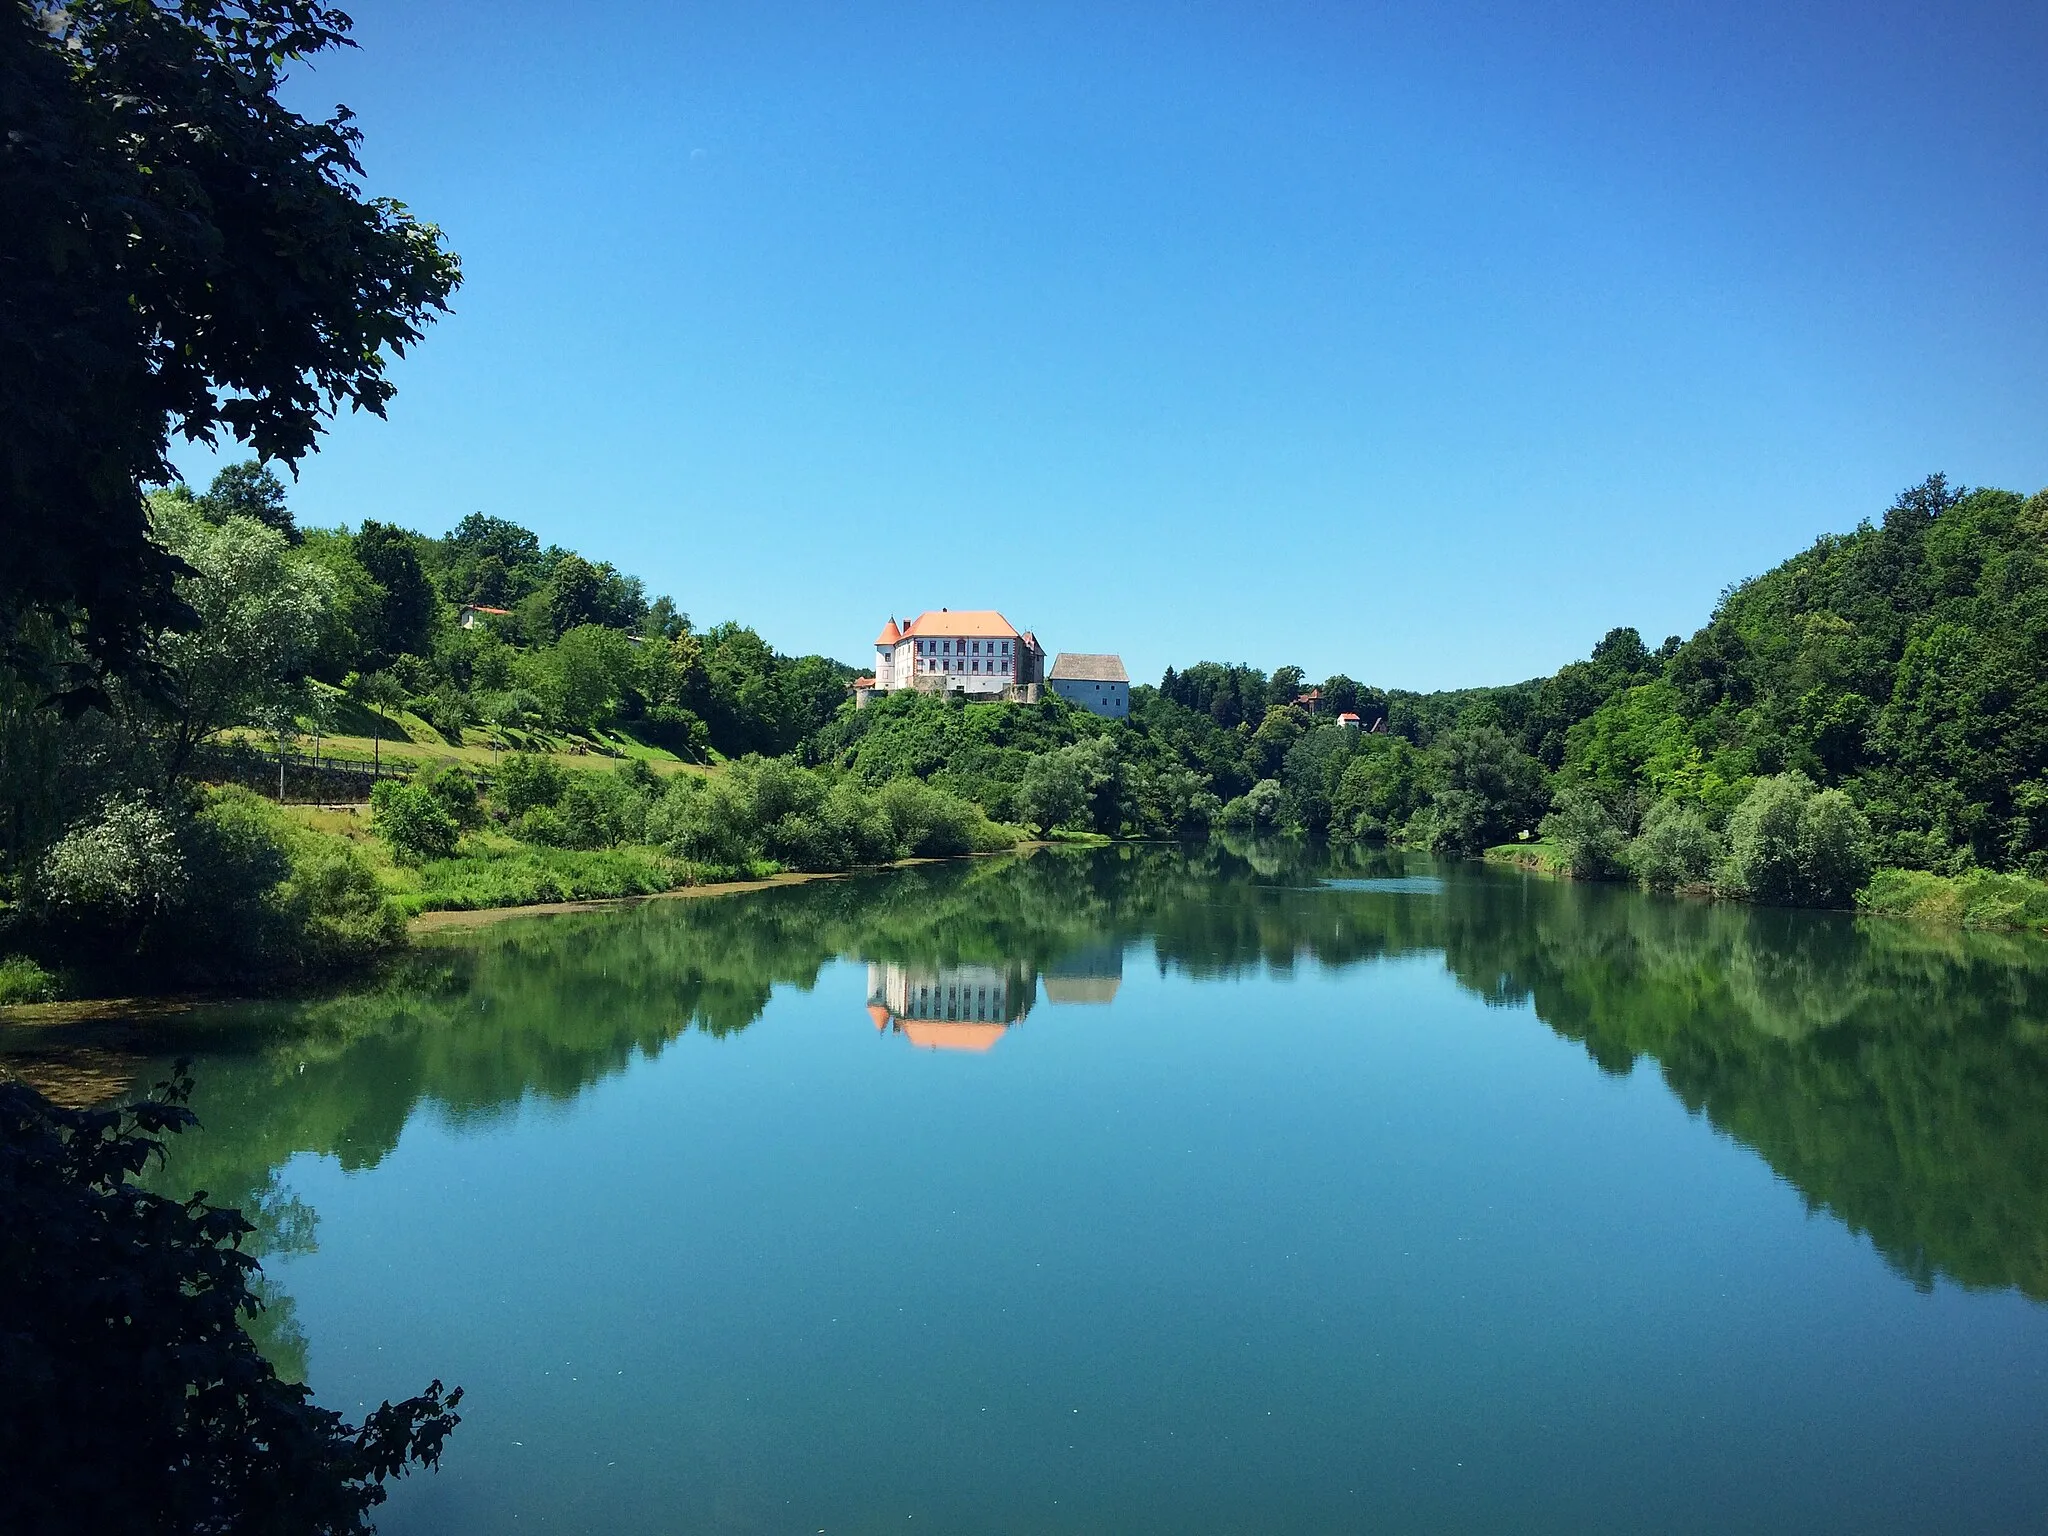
1980 899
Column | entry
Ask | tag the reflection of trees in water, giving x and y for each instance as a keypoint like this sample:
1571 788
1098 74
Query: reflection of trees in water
1899 1079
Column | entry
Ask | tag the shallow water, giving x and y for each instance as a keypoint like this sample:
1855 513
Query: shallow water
1140 1191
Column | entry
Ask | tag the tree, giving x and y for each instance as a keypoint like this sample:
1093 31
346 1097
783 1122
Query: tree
250 490
403 624
1054 791
1588 839
376 692
414 821
260 615
1796 846
178 252
136 1399
1676 847
1489 790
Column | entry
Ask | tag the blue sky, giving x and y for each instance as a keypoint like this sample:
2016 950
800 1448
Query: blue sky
1422 343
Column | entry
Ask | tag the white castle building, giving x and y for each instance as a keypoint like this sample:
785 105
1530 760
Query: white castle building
972 651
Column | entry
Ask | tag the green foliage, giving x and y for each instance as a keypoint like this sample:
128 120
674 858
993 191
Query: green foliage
1791 845
212 889
1057 785
183 253
24 981
261 610
403 621
136 1398
1676 848
1382 787
413 821
1979 899
1262 808
454 788
252 490
108 879
1488 790
496 871
775 810
525 780
1589 841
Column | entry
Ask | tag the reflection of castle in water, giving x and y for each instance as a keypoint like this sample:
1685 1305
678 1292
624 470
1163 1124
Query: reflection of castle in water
971 1007
950 1007
1089 975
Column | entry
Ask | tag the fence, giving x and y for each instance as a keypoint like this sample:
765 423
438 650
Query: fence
306 780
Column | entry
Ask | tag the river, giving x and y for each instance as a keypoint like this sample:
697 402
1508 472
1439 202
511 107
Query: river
1240 1189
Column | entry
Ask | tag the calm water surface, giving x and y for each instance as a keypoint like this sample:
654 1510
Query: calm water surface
1141 1191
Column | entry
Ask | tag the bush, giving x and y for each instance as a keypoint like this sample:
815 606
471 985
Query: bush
1834 849
525 780
1259 809
545 825
413 822
1590 843
1792 845
23 981
1676 847
1979 899
455 788
136 1399
109 876
343 916
772 809
448 713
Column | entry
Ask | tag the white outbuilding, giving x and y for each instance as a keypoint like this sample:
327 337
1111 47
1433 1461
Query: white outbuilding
1095 681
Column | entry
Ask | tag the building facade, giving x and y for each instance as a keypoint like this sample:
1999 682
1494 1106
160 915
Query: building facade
1094 680
950 1007
973 651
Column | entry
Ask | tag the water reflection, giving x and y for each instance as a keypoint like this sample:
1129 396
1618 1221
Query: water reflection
950 1007
1897 1078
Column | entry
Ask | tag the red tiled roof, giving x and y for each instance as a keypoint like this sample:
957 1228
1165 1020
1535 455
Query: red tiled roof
946 1035
890 634
962 623
503 613
862 682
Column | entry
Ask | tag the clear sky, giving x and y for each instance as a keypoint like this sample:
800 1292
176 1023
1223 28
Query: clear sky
1421 342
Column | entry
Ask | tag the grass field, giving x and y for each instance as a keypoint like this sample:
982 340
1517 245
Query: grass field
410 743
1539 856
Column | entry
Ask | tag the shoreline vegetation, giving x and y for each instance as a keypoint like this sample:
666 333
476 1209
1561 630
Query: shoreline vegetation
1859 728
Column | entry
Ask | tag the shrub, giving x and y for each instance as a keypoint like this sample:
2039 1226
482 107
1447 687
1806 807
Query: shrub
545 825
344 917
112 874
1763 839
926 822
455 788
413 822
448 713
1590 843
1259 809
1793 845
1834 849
1676 847
23 981
602 810
525 780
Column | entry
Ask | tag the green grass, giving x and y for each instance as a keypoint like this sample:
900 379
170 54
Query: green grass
492 870
23 981
1979 899
1544 858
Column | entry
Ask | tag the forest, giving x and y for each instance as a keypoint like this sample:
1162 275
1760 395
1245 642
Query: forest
1868 719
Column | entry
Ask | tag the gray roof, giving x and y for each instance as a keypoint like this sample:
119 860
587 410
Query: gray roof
1087 667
